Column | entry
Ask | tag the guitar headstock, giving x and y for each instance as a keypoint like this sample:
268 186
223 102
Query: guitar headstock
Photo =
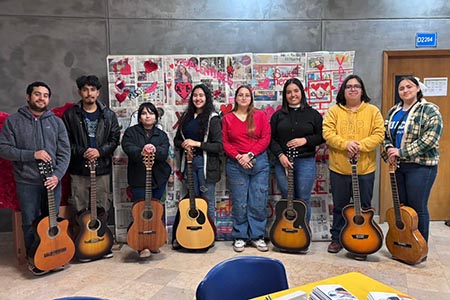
292 153
46 169
189 154
91 164
353 159
148 159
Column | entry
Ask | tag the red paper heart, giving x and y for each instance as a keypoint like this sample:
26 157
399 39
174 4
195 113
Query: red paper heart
121 97
171 66
325 85
150 66
183 89
126 70
226 108
152 87
265 83
315 86
169 85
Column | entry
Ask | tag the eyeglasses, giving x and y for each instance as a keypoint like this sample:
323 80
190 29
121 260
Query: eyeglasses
355 86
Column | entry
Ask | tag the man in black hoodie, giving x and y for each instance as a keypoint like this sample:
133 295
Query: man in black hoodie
31 135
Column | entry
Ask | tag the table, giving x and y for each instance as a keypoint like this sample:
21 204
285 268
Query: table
358 284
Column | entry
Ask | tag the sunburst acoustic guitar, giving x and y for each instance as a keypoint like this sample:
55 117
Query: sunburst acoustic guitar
360 234
290 231
94 239
195 229
55 248
403 240
147 230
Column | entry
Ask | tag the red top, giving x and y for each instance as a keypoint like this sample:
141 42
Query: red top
235 134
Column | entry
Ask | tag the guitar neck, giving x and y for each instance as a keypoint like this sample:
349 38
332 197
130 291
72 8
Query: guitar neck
355 186
51 208
191 185
148 188
395 197
290 195
93 195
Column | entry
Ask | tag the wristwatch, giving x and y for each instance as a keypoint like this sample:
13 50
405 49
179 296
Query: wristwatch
251 155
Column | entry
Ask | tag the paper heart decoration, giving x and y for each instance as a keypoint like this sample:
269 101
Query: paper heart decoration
320 67
150 66
171 66
324 85
183 89
139 84
226 108
265 83
315 86
122 96
169 85
126 70
152 87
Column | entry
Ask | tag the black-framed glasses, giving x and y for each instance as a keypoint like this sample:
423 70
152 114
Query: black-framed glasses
354 86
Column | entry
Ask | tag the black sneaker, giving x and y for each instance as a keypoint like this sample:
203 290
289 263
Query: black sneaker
36 272
110 254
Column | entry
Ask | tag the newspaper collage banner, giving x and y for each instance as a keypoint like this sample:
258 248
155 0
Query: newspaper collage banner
167 81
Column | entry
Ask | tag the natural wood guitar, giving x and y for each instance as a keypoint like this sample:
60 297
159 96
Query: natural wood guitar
403 240
195 229
360 234
147 230
94 239
55 248
291 231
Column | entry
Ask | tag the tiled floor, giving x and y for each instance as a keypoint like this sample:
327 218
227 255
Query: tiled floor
175 275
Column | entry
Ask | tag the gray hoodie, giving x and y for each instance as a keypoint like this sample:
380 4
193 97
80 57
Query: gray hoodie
23 134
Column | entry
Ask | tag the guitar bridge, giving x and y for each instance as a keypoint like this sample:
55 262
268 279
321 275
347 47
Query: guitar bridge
360 236
96 240
194 228
289 230
403 245
55 252
147 232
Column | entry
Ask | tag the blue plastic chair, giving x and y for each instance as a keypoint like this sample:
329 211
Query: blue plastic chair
242 278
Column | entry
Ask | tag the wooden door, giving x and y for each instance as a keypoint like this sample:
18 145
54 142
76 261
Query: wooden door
423 64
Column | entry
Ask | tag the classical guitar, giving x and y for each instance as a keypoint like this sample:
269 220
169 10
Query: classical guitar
55 248
403 240
147 230
290 231
195 229
360 234
94 239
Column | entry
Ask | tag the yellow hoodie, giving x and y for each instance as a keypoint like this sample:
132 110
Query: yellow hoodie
365 125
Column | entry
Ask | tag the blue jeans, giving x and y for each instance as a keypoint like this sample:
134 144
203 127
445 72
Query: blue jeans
304 177
139 192
249 190
34 203
414 186
202 188
342 191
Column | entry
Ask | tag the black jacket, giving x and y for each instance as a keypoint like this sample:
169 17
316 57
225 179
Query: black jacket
133 141
107 136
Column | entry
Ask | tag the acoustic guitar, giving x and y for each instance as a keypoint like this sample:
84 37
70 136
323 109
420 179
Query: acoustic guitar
360 234
94 239
403 240
55 248
195 229
291 231
147 230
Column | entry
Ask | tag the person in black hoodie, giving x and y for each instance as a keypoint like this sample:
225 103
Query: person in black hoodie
297 126
31 135
146 137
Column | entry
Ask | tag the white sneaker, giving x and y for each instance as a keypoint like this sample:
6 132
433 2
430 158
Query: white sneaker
260 245
239 245
144 253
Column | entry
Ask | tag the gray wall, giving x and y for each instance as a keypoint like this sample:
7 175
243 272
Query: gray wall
56 41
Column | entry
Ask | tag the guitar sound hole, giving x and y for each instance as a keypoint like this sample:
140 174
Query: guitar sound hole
358 220
193 213
94 224
147 215
290 214
53 231
400 225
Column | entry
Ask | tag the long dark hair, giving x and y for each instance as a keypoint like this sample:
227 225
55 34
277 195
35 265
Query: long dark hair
303 102
203 117
250 121
340 98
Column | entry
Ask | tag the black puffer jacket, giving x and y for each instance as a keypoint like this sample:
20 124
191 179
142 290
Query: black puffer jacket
107 136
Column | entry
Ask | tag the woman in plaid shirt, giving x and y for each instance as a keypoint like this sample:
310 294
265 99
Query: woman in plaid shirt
413 129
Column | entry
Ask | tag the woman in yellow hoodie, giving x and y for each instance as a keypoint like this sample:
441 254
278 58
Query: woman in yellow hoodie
351 128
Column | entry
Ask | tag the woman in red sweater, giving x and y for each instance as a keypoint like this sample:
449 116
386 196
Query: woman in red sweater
246 136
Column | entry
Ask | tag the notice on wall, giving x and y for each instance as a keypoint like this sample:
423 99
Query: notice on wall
436 86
